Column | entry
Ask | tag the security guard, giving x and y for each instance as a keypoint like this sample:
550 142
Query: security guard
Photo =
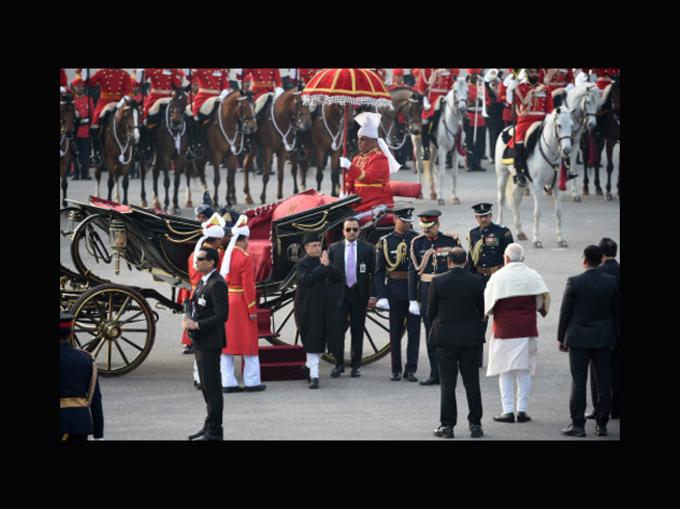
392 285
487 243
80 407
429 253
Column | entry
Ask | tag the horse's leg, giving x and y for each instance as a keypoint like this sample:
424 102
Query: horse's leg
280 162
266 163
336 174
247 168
143 165
97 180
63 170
514 196
126 182
557 202
216 161
166 183
454 176
179 164
610 167
537 212
502 175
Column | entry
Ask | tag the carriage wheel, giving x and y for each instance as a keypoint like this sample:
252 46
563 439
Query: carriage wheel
116 325
89 245
376 332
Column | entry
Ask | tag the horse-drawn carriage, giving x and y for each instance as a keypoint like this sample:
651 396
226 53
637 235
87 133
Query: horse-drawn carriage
116 323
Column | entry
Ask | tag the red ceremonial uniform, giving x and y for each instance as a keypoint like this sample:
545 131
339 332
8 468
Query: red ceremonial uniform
211 82
532 104
304 75
369 177
162 81
603 76
85 111
502 98
113 85
264 80
435 87
63 79
242 334
559 79
474 104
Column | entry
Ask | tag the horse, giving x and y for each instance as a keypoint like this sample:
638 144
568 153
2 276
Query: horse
449 136
326 135
67 116
542 160
610 133
169 140
584 102
224 134
119 139
278 134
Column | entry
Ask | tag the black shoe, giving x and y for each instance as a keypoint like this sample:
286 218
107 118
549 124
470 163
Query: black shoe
571 175
314 383
355 373
508 417
337 370
187 350
426 153
256 388
523 417
520 180
396 377
231 390
430 381
444 432
476 431
574 431
206 437
410 377
196 435
601 431
305 372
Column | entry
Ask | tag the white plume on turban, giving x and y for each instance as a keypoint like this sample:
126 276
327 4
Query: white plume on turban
213 228
369 123
239 228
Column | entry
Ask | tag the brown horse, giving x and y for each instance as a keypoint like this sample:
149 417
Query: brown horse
67 116
224 134
169 140
326 135
118 140
278 134
408 103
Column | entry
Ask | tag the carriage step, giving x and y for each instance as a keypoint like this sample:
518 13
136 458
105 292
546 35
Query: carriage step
282 362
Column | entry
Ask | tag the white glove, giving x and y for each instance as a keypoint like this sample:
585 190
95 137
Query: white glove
426 104
277 92
383 304
345 163
413 307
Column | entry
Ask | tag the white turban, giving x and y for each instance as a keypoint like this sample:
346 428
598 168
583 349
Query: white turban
213 228
369 123
239 228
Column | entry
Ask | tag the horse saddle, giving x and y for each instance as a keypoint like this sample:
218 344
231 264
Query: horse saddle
531 137
262 105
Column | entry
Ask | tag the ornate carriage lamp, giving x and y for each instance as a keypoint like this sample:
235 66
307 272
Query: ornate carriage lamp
117 240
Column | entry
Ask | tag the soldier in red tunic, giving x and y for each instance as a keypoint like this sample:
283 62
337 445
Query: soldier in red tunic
242 334
264 81
114 85
85 107
433 83
532 101
369 174
163 82
559 82
475 136
604 76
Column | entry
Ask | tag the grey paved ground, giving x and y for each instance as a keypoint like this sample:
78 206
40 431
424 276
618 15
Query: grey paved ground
158 402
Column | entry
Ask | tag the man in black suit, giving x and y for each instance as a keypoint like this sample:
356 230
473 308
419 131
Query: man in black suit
455 305
588 328
356 260
210 310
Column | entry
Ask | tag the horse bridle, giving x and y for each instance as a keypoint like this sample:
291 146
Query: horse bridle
128 129
559 143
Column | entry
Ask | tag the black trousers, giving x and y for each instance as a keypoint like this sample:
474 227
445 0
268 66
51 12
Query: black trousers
354 318
599 360
208 364
401 319
466 360
616 383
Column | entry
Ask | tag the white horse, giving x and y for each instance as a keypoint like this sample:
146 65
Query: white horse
449 139
584 102
543 164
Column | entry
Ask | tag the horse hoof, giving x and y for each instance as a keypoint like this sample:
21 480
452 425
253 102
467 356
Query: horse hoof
585 192
433 196
249 200
143 204
608 197
538 244
598 192
521 236
455 200
577 199
440 201
562 243
189 204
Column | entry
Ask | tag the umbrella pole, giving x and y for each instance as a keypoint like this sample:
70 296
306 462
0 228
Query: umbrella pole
344 149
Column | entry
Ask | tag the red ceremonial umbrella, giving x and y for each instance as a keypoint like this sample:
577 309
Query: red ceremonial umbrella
348 87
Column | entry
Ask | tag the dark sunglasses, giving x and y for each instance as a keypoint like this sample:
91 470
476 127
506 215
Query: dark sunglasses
201 258
351 229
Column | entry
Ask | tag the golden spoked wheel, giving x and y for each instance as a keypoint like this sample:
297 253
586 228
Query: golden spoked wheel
116 325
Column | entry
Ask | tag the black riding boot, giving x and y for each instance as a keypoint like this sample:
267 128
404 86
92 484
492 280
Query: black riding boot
520 166
96 159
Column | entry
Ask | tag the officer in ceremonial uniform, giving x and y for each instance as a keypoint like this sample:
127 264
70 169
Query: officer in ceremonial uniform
264 81
433 83
429 253
80 400
391 283
487 243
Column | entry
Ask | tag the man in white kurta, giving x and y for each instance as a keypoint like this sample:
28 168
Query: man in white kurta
513 295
